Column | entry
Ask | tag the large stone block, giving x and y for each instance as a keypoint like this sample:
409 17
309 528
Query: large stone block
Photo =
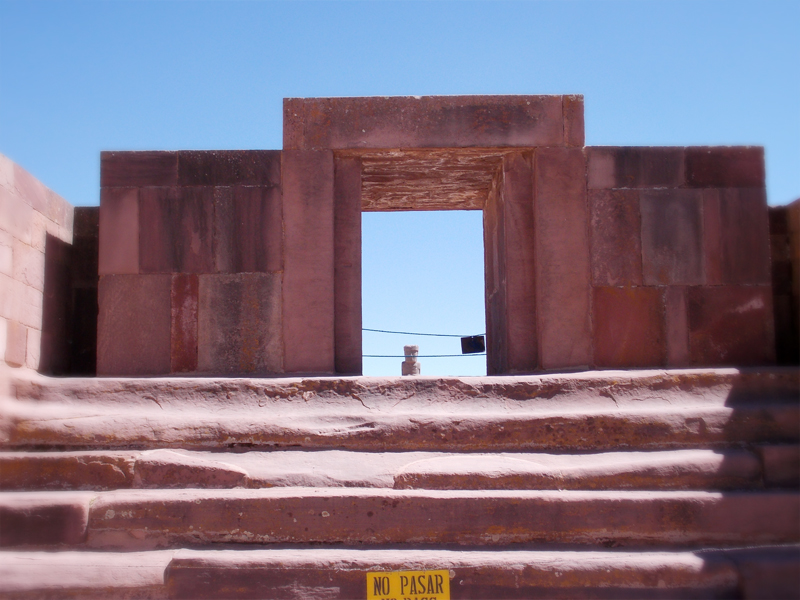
425 122
28 265
347 265
672 237
16 343
731 325
32 191
133 329
632 167
308 283
137 169
616 237
677 326
248 229
16 217
573 121
176 230
732 166
230 167
628 327
736 232
184 307
562 258
119 231
239 324
522 353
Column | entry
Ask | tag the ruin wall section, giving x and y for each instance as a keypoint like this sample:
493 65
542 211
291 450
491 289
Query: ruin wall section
36 227
250 262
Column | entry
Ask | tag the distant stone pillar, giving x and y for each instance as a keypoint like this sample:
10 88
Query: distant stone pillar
410 364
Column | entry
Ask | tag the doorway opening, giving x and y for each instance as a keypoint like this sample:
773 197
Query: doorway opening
422 272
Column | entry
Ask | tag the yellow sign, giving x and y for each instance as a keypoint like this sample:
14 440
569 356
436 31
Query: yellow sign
408 585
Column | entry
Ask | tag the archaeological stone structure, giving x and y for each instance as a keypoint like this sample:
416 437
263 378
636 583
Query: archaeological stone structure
176 423
248 262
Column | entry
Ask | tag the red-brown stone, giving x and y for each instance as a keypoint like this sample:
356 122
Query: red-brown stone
732 166
230 167
563 270
239 324
736 231
628 327
731 325
672 237
635 167
183 345
676 326
176 230
426 121
248 229
347 265
133 327
522 353
308 284
119 231
616 237
136 169
573 121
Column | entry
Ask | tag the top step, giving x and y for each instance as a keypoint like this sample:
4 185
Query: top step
568 412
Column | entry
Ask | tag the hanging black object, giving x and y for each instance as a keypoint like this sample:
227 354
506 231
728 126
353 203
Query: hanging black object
473 344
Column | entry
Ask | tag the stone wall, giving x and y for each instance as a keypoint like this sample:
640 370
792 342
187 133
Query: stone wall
250 262
680 257
191 263
785 241
35 236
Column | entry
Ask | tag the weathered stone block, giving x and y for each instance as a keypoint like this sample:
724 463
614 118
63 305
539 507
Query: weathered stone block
736 236
347 265
230 167
176 230
6 253
672 237
522 353
730 166
119 231
16 343
645 167
562 258
423 122
184 308
28 265
628 327
133 336
32 191
239 323
308 283
573 121
16 217
137 169
731 325
677 326
616 237
248 229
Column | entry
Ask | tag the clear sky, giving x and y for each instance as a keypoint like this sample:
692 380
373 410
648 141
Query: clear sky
80 77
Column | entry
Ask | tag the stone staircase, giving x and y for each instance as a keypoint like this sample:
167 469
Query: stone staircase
650 484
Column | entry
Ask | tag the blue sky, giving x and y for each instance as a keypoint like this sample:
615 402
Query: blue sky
80 77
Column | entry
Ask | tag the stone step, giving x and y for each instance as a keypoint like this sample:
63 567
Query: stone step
699 469
146 519
580 412
327 573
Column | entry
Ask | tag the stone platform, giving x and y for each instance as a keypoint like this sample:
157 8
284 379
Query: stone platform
658 484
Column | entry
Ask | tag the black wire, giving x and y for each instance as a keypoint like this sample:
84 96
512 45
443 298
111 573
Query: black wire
412 333
421 355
